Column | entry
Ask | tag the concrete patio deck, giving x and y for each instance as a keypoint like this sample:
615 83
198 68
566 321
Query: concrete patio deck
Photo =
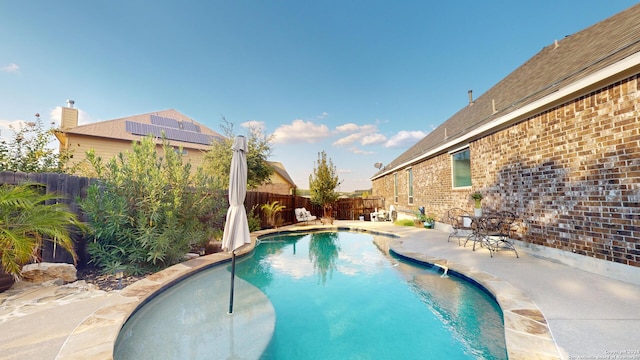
551 310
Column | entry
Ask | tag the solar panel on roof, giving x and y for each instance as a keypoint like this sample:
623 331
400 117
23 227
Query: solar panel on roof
166 122
170 133
190 126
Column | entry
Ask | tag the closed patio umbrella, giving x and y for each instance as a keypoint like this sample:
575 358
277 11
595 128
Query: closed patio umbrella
236 228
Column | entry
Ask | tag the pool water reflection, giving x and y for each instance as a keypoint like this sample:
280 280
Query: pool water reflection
340 295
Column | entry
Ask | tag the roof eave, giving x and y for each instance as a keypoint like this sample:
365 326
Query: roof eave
576 87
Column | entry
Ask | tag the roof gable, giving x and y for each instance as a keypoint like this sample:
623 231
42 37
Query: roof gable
280 170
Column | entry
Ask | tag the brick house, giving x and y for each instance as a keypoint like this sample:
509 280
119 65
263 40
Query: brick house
557 141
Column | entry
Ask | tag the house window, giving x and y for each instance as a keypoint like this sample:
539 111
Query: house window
395 188
410 185
183 152
461 168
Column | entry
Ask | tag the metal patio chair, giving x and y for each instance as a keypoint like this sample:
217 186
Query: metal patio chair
460 221
495 231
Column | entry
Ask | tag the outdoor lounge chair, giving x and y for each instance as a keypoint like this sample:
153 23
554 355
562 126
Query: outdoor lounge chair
303 215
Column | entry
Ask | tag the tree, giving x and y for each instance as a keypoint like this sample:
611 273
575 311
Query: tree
26 221
218 158
29 150
148 210
323 182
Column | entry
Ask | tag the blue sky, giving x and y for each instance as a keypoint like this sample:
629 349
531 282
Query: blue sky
361 80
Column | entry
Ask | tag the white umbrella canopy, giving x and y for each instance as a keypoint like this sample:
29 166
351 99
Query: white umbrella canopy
236 228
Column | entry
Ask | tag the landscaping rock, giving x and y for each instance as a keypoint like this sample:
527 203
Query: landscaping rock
42 272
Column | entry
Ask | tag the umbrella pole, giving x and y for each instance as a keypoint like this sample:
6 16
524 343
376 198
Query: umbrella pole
233 276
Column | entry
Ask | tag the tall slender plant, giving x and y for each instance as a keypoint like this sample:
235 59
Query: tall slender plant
323 183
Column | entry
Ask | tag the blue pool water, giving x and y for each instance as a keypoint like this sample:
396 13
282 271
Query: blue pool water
336 295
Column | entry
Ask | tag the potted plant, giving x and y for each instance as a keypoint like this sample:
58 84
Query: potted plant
272 213
420 218
29 219
477 198
429 221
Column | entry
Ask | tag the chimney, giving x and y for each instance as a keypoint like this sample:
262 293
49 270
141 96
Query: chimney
470 97
69 118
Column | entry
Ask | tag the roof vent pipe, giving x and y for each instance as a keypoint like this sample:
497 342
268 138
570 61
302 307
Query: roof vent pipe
470 97
70 103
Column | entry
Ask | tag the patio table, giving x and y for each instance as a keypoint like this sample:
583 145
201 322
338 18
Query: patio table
492 231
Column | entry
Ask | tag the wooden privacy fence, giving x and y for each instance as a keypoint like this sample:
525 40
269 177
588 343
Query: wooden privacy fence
70 188
342 209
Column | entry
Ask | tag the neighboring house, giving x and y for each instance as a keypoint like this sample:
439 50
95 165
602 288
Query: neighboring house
280 182
557 141
109 138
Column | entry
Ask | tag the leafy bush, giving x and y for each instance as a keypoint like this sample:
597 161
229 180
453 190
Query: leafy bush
254 220
147 211
272 213
28 149
27 221
404 222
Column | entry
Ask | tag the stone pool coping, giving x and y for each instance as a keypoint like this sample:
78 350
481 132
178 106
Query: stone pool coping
527 333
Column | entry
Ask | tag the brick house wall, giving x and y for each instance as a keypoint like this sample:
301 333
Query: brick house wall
571 174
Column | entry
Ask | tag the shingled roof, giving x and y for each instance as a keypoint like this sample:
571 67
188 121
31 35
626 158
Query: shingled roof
560 64
116 129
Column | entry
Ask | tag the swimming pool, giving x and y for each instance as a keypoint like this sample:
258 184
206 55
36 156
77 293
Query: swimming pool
335 296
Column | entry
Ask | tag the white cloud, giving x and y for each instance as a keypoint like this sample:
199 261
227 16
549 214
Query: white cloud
300 131
349 127
348 140
344 171
10 68
323 115
254 124
359 151
373 139
5 128
363 134
405 139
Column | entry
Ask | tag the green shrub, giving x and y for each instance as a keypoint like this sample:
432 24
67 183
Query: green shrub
147 211
27 221
254 220
404 222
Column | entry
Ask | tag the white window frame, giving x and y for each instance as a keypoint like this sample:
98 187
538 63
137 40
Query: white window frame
395 187
453 153
410 186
